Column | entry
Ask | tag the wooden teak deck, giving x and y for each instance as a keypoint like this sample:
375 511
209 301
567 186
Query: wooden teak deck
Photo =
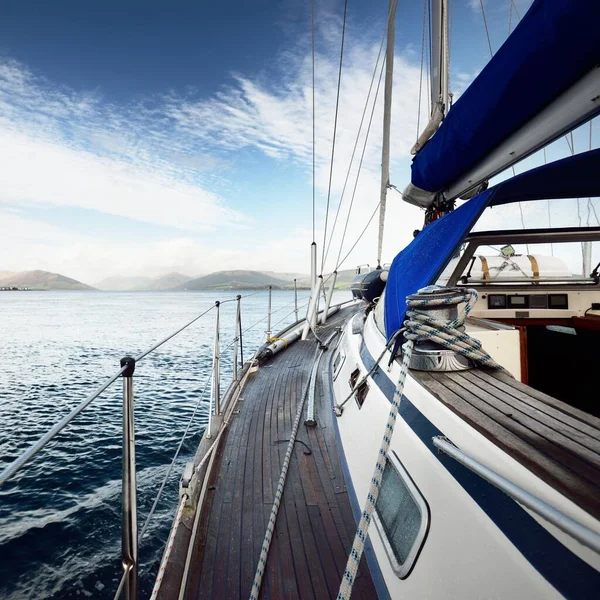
315 526
558 443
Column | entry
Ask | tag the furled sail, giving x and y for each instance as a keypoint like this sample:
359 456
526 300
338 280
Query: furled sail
545 77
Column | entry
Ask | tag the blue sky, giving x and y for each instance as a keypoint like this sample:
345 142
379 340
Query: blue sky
142 137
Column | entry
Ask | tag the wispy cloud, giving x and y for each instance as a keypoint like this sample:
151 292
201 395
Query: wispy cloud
273 115
65 148
173 159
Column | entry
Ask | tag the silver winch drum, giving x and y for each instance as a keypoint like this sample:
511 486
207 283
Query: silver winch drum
428 355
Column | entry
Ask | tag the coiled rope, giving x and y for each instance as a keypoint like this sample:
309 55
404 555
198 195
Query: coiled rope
419 327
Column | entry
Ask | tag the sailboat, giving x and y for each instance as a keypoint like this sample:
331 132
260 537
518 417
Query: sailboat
442 431
438 436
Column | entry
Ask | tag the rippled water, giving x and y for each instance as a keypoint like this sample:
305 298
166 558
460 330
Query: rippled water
60 516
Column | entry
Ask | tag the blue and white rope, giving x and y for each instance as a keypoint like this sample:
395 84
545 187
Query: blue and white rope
420 327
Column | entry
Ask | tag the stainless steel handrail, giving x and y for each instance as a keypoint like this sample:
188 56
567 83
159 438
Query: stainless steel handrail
559 519
237 340
129 536
215 396
18 463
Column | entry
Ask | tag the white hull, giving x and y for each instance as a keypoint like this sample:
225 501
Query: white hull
480 543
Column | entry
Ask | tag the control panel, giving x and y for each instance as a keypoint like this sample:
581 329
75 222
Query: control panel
528 301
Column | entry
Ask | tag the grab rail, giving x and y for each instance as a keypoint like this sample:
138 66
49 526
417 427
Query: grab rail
559 519
18 463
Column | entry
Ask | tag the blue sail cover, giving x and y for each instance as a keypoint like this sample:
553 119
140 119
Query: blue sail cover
572 177
553 46
422 261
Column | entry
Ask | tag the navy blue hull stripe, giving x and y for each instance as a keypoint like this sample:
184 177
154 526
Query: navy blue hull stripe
369 553
563 569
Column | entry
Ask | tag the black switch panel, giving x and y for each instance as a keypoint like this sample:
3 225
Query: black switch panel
496 301
518 301
558 301
538 301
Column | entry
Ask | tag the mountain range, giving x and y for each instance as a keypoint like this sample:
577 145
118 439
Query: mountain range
121 284
221 280
234 280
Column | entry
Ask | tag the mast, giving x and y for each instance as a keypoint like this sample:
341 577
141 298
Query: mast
440 68
439 56
387 119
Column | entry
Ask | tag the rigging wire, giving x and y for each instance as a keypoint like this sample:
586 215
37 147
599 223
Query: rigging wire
174 459
360 164
514 4
340 262
520 210
337 104
312 16
487 32
374 75
548 208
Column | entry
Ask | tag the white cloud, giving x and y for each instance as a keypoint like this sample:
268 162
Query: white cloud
30 244
165 160
46 172
61 148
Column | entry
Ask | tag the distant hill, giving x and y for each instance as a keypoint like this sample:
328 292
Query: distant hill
287 276
136 284
41 280
231 280
343 281
168 282
220 280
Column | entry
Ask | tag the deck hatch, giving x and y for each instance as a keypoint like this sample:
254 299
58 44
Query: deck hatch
401 517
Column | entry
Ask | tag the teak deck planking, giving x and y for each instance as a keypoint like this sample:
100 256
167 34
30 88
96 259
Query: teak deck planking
557 442
315 526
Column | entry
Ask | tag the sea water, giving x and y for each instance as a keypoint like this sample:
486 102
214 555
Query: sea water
60 534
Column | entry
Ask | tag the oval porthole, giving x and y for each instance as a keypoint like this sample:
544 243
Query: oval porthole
401 517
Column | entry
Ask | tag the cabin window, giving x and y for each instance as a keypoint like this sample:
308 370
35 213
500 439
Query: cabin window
401 516
338 363
354 378
361 391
